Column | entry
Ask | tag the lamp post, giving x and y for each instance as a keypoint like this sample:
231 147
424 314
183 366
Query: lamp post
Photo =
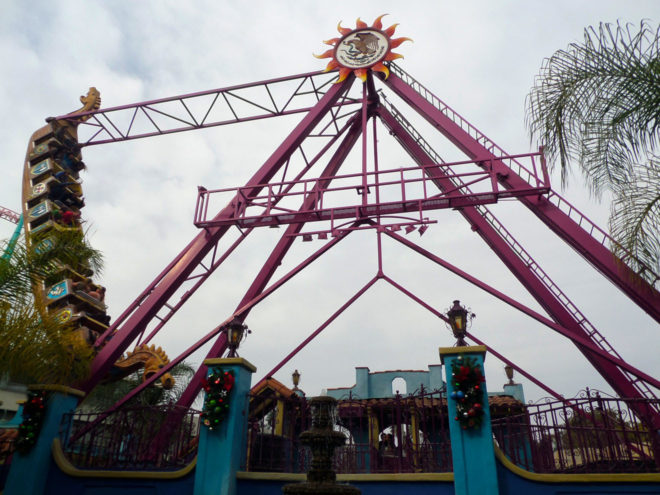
509 374
235 334
459 319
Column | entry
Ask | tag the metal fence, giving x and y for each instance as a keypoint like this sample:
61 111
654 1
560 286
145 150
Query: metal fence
588 434
389 435
151 438
7 440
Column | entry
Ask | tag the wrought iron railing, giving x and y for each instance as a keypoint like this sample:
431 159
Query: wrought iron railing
143 438
387 435
7 444
588 434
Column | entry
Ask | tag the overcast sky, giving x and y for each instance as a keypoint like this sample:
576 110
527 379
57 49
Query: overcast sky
480 57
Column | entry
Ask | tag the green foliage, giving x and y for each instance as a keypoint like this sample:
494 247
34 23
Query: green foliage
599 428
34 412
218 387
468 394
597 104
34 346
107 394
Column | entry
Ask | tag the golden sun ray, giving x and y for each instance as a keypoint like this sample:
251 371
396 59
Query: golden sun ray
362 49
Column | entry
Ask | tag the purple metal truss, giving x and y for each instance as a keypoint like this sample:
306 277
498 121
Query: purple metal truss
277 255
625 383
500 169
181 268
241 103
263 210
566 221
9 215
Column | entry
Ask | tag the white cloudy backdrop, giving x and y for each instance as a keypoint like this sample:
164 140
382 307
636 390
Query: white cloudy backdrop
479 57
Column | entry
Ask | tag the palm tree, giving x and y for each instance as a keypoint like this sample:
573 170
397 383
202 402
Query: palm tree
105 395
34 346
597 104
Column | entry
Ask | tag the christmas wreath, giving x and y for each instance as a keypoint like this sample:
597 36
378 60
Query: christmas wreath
217 386
467 378
34 411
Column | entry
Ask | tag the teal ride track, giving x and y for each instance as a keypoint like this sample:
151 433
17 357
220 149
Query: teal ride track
9 250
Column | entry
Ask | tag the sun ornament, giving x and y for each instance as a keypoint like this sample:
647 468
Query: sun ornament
361 49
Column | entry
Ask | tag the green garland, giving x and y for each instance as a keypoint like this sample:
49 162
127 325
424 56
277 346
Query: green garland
467 378
34 411
217 386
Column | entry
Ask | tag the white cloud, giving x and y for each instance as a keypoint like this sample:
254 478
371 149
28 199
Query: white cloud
481 57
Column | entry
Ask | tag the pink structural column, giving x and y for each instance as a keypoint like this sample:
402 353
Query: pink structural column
193 254
547 299
278 253
597 254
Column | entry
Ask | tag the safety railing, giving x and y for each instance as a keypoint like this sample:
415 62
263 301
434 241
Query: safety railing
383 192
152 438
520 251
389 435
644 271
588 434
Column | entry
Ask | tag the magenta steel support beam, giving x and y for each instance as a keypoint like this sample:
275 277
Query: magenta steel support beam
189 112
201 278
204 242
585 345
206 272
9 215
198 283
217 331
638 289
546 298
323 326
278 253
499 356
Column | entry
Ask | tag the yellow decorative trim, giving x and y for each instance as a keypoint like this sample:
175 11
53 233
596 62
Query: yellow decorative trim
397 477
58 388
575 478
67 468
250 475
229 361
365 478
448 351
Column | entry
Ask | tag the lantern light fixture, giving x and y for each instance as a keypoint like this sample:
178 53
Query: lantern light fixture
460 318
237 331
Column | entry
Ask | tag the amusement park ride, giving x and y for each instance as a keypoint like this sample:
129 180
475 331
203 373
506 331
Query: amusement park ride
310 193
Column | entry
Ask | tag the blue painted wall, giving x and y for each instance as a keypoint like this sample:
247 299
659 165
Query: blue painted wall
254 487
379 384
60 483
512 484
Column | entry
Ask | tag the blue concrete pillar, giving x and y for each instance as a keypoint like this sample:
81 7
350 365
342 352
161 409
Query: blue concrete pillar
221 449
29 472
472 449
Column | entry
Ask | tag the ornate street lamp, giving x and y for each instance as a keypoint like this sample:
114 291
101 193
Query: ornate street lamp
509 374
295 376
459 320
235 335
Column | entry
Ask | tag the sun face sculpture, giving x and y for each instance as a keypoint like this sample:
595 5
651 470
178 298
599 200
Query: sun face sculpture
362 48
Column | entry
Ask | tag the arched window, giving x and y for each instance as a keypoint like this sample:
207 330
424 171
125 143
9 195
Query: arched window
398 386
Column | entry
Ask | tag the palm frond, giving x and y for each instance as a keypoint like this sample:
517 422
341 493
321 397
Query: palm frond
107 394
597 103
635 215
34 346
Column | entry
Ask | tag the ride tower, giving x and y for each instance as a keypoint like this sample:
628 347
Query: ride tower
314 198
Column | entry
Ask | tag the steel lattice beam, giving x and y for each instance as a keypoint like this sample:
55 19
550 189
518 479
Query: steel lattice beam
241 103
9 215
622 385
195 252
472 144
275 259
